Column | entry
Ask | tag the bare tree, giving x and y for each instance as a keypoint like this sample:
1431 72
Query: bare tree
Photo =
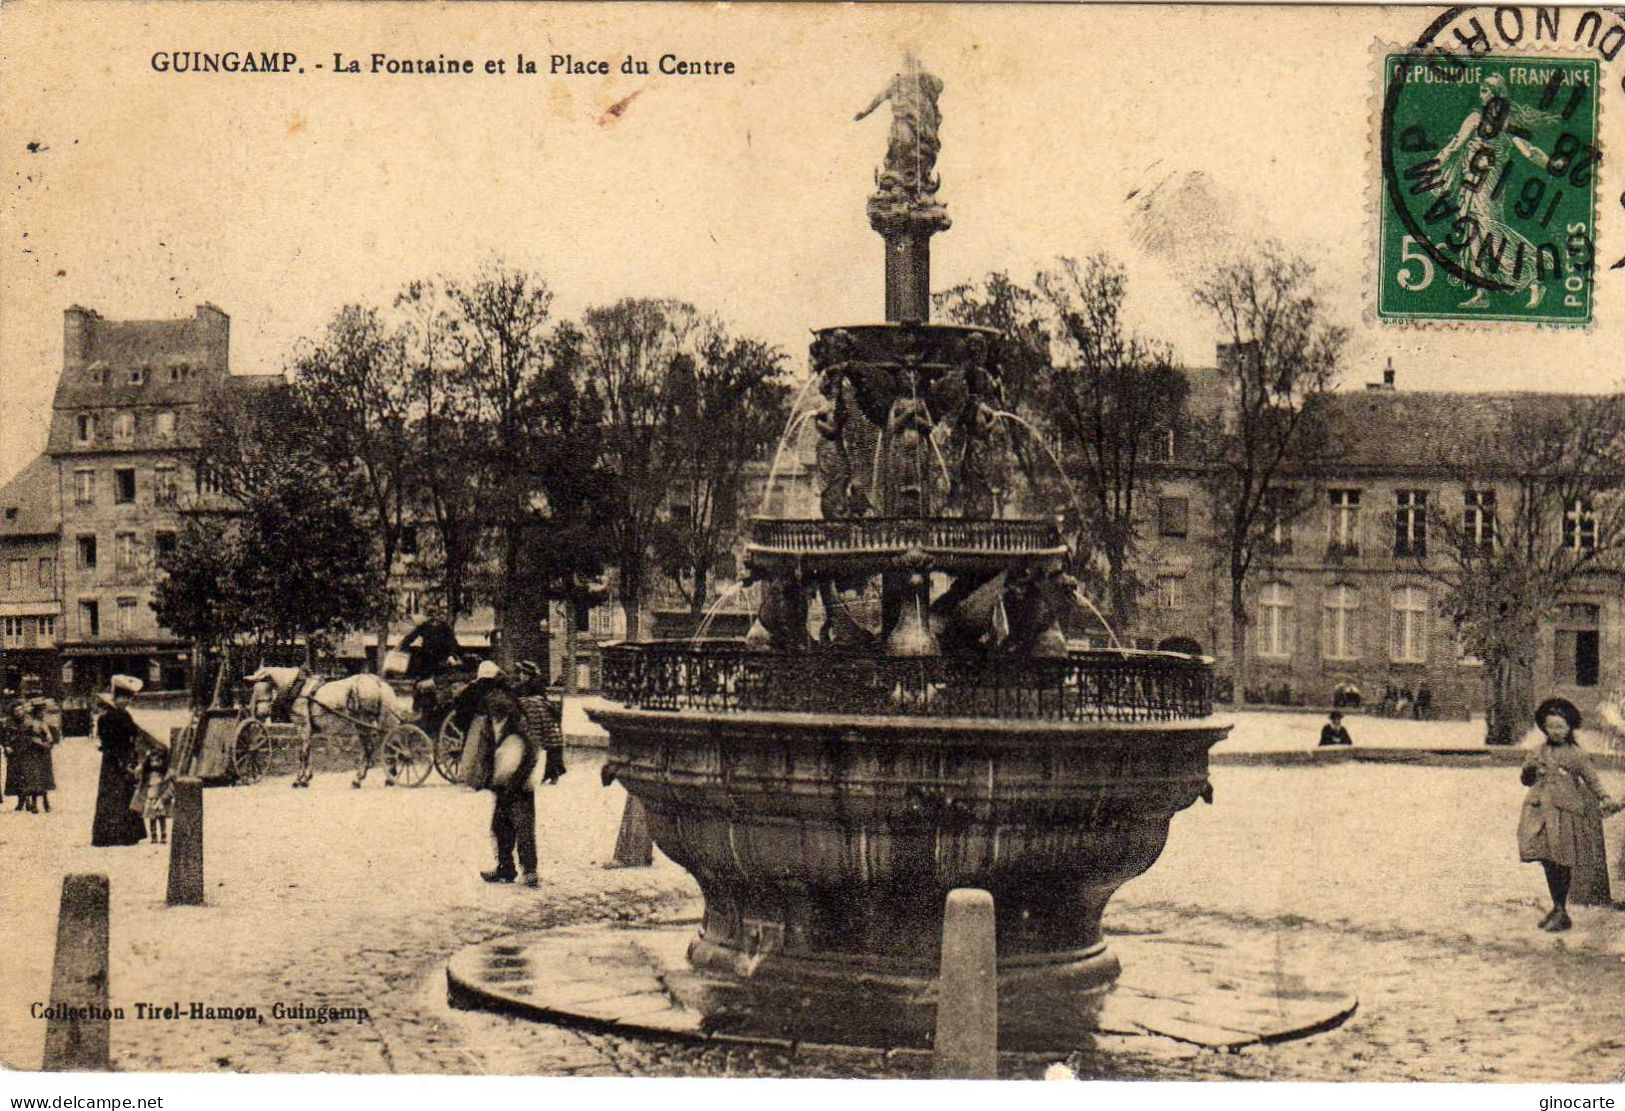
1112 396
1282 356
538 443
629 350
352 386
1542 516
725 406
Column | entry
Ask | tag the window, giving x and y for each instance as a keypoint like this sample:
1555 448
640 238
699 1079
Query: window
1170 592
13 632
207 483
1275 621
1579 526
583 619
409 540
84 487
176 372
1339 611
1408 626
164 488
138 376
603 620
123 486
164 424
85 432
1345 522
47 628
1278 509
1410 523
16 574
1577 647
47 571
411 602
1168 445
97 375
164 542
90 619
124 551
11 512
87 553
1478 520
124 427
1173 516
126 616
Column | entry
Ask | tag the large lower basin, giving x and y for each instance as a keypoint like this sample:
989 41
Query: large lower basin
826 844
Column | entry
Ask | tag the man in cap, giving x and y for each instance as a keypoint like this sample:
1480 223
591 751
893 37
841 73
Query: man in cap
115 823
534 727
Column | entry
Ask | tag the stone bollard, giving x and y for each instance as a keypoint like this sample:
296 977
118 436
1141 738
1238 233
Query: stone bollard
967 1043
186 844
634 848
77 1041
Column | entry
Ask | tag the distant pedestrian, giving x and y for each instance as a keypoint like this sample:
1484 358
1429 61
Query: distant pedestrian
1333 733
156 792
115 823
1560 826
13 735
35 776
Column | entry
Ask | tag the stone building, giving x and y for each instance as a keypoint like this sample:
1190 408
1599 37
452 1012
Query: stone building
124 435
30 598
1347 592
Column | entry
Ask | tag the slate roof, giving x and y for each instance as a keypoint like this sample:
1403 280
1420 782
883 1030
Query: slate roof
32 494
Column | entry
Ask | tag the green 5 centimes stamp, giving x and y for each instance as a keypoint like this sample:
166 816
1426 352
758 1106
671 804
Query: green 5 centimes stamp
1489 189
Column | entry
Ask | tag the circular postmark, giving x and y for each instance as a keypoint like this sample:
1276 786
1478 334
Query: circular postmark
1489 163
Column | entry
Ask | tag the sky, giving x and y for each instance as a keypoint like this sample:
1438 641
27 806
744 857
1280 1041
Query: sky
281 198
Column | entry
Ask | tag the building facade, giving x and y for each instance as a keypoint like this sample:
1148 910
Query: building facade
30 595
125 427
1346 592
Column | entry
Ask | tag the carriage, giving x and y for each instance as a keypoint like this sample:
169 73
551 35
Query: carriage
233 740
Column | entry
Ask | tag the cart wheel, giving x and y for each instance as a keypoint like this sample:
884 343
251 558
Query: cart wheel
409 751
448 749
250 751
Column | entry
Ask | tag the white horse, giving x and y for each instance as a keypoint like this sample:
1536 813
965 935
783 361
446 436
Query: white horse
365 702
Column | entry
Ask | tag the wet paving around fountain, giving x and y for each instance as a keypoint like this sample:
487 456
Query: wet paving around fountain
637 981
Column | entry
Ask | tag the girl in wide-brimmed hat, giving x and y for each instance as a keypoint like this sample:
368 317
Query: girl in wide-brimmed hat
1561 823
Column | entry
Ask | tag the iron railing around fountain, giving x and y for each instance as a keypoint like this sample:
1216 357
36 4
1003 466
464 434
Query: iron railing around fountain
726 677
892 533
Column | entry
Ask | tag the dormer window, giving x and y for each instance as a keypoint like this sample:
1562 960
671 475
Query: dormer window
96 375
85 429
176 372
138 376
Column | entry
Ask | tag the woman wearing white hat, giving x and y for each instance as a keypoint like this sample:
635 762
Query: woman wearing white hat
115 823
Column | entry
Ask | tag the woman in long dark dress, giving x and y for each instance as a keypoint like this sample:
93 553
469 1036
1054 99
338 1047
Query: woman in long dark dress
35 775
116 823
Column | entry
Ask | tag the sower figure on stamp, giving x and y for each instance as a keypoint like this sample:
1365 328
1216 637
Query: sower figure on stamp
1485 143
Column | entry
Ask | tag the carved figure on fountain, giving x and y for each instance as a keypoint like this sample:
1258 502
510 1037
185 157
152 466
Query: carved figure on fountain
906 185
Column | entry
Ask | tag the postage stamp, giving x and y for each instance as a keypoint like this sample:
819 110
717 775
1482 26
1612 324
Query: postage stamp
1489 190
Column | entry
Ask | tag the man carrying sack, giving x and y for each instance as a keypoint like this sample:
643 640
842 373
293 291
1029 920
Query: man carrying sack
532 728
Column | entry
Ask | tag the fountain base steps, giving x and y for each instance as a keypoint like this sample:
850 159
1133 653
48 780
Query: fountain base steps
638 981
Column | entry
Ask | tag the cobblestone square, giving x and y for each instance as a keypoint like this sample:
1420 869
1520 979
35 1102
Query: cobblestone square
1398 883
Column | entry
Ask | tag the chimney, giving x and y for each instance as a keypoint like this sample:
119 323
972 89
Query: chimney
216 327
1387 382
78 325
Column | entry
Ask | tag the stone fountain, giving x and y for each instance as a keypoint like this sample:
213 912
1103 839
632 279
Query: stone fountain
906 715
